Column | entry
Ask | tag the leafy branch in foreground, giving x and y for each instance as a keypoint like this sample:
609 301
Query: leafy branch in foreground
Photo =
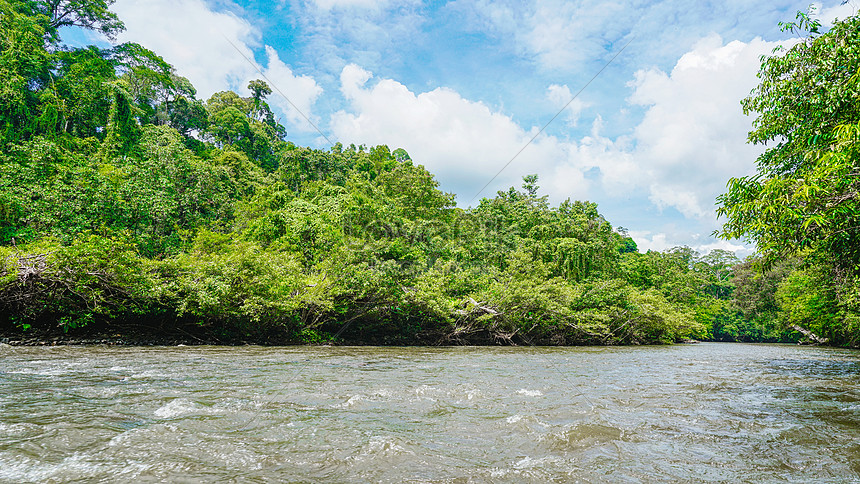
805 192
804 200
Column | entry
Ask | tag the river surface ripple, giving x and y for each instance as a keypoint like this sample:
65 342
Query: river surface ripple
688 413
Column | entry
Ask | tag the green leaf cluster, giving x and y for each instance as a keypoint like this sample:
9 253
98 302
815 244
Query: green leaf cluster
804 200
124 198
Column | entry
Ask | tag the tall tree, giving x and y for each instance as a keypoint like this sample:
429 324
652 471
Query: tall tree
24 68
805 197
88 14
806 192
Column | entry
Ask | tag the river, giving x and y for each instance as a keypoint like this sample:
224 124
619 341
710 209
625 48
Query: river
688 413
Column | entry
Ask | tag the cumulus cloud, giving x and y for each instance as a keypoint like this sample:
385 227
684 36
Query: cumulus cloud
741 251
463 142
202 44
192 37
646 240
692 137
690 141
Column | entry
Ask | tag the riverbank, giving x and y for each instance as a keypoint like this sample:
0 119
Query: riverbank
110 338
148 335
136 333
154 333
142 334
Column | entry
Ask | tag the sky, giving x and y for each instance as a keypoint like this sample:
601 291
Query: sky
466 88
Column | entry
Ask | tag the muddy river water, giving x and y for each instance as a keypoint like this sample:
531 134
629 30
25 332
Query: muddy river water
688 413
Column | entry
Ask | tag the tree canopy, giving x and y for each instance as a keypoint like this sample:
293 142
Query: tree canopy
804 199
125 199
805 191
88 14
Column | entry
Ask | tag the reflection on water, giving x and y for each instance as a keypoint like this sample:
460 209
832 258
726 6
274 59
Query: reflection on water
708 412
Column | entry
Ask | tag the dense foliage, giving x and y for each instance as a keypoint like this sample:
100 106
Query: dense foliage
804 200
125 199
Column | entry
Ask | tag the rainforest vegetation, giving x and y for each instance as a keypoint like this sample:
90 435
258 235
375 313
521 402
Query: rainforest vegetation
126 200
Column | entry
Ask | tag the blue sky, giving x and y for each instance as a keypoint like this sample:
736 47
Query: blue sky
463 85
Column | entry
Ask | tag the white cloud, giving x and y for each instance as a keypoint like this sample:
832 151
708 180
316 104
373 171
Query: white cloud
487 15
366 32
302 91
563 34
693 135
557 34
560 96
646 241
839 11
192 37
572 37
691 140
463 142
741 251
565 181
661 241
197 41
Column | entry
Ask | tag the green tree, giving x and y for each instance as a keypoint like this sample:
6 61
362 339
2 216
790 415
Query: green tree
805 197
259 92
88 14
124 197
806 192
25 67
806 299
627 242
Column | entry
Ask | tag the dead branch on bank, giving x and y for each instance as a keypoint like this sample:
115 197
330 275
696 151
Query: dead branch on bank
36 282
809 334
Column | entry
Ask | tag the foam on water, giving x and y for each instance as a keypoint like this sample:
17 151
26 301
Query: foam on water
385 446
709 412
529 393
175 408
76 467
